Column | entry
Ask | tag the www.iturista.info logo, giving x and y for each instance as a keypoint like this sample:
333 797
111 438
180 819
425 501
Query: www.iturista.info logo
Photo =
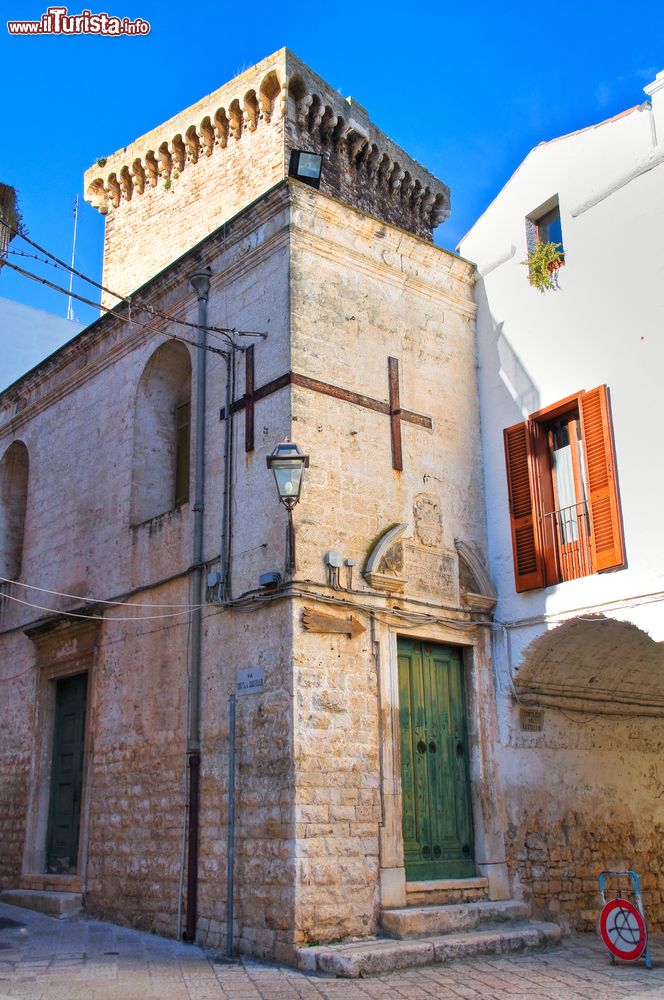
58 21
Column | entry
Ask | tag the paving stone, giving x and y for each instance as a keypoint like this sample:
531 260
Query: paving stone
48 963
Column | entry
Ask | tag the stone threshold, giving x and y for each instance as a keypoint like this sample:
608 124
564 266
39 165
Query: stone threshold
447 884
379 955
425 921
53 904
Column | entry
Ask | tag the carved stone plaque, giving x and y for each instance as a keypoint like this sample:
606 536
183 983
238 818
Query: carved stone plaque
431 574
428 520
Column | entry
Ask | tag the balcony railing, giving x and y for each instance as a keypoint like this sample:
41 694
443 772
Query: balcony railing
568 530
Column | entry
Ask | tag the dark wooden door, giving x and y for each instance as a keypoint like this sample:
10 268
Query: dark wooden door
437 822
66 775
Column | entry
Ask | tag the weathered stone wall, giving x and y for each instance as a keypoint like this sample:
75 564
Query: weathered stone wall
77 418
137 743
559 862
338 807
361 292
337 293
17 698
583 795
264 864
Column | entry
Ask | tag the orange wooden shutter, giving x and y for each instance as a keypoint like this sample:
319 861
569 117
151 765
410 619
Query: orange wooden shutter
528 563
602 483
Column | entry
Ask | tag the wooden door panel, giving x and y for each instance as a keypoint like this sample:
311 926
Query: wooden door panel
66 775
437 825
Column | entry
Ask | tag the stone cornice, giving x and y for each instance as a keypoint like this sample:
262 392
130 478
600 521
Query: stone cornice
279 91
256 98
320 119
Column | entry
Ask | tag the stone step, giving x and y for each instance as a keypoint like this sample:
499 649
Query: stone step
442 891
423 921
54 904
51 883
380 955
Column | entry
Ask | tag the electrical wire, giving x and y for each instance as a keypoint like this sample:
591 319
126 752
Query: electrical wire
165 316
132 321
559 617
99 618
93 600
225 331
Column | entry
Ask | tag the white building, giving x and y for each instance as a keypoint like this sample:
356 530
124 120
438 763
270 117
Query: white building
28 336
576 541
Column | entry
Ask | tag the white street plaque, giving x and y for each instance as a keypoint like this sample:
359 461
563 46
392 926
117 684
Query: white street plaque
250 681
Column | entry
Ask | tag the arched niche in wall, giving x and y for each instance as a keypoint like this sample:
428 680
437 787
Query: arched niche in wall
14 470
162 412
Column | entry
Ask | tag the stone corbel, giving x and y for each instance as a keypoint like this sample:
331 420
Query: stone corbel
303 109
97 195
441 210
396 178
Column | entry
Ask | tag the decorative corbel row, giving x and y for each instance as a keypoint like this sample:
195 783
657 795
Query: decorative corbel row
311 114
267 104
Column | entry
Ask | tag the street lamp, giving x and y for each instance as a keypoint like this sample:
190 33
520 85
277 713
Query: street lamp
288 464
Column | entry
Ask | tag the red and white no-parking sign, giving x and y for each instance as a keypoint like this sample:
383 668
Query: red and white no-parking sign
623 930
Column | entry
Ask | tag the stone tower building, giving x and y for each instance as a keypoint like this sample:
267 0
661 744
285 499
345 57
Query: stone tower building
229 149
356 776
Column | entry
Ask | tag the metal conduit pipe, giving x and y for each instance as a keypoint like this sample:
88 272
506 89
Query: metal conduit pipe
200 281
225 547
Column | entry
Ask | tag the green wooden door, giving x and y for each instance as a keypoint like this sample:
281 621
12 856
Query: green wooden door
66 775
437 821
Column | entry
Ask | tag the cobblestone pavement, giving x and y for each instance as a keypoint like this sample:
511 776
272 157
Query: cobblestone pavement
46 959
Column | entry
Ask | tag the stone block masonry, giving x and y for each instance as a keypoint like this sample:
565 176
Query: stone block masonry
193 173
339 292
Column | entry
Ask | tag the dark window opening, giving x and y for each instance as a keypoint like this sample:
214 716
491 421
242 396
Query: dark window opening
182 439
545 227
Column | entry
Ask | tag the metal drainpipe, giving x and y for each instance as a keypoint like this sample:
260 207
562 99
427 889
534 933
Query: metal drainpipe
225 548
200 281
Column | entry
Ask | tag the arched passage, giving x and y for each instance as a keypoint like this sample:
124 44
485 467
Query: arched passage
604 664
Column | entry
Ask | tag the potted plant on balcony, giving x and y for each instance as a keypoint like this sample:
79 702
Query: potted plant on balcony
543 262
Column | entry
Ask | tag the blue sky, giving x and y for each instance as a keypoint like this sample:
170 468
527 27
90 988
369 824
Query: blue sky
468 89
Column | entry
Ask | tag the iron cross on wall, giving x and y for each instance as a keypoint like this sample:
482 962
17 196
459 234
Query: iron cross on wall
392 409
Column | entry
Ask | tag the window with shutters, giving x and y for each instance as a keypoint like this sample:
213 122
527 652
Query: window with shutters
563 492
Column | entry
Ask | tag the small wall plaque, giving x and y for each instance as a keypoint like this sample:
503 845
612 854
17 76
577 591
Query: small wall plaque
250 681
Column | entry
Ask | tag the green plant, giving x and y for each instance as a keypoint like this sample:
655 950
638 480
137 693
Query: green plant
11 220
101 161
168 184
543 263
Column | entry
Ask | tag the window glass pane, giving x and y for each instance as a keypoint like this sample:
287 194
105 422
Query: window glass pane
563 472
549 229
